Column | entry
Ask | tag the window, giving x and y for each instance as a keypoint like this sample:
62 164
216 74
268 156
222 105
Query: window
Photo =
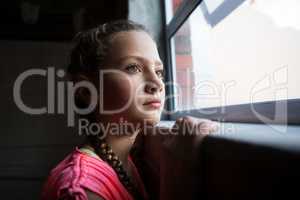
226 52
171 8
212 5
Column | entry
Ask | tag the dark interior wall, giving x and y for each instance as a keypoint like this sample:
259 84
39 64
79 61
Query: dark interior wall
30 145
56 19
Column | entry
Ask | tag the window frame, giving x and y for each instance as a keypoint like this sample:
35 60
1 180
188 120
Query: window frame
240 113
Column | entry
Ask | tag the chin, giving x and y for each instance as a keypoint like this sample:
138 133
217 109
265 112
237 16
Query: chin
149 119
152 120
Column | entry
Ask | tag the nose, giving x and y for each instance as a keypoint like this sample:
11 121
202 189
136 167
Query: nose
154 85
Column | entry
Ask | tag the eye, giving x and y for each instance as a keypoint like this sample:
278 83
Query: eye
133 68
160 73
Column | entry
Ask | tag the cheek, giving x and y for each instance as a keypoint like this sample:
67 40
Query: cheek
117 92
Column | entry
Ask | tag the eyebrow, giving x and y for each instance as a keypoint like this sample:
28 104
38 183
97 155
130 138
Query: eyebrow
157 62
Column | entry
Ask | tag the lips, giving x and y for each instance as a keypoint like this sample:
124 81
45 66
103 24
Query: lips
155 103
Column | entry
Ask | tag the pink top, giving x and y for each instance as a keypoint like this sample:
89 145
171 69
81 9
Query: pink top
78 172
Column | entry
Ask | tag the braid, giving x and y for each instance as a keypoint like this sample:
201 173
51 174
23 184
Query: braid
91 46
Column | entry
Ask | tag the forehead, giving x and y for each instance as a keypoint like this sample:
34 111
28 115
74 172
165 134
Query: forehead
133 43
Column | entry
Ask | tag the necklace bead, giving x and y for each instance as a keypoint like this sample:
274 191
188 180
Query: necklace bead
109 157
106 153
103 151
109 151
103 145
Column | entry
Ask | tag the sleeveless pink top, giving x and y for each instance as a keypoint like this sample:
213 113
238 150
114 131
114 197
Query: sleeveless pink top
79 172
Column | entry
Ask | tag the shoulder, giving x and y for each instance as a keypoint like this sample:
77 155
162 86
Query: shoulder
79 173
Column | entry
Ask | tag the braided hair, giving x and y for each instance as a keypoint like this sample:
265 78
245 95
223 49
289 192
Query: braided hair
91 46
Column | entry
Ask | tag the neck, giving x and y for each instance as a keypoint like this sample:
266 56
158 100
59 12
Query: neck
120 143
121 146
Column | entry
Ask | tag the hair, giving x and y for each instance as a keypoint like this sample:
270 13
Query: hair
89 52
91 46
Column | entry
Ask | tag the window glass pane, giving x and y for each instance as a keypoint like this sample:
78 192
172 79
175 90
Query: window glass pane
252 55
212 5
171 8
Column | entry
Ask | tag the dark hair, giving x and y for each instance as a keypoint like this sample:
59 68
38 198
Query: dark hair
91 46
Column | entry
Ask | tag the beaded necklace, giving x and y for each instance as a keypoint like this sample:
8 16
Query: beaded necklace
105 153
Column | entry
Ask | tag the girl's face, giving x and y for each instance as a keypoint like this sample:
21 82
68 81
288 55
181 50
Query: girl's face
133 87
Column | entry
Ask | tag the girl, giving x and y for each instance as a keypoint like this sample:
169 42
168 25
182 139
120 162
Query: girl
121 60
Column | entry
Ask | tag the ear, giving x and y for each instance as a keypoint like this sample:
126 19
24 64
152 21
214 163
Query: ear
82 95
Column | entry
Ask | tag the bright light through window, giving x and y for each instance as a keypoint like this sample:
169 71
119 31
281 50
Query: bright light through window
284 13
212 5
252 55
